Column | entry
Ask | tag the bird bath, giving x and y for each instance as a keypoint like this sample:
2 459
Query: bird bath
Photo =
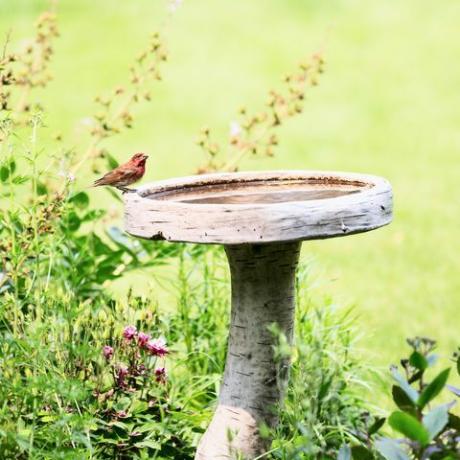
261 218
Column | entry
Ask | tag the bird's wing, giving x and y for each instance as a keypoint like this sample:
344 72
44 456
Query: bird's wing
117 175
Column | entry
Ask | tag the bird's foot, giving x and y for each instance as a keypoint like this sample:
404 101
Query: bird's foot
127 190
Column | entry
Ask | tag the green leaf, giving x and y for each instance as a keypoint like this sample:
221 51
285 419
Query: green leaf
73 222
94 214
344 453
7 170
436 420
458 364
149 426
48 418
378 423
149 444
454 422
122 240
111 161
417 376
361 453
409 426
123 426
41 189
403 383
418 361
433 389
80 200
390 449
18 180
402 400
324 388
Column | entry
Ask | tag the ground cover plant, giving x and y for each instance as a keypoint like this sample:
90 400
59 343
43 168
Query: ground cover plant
88 374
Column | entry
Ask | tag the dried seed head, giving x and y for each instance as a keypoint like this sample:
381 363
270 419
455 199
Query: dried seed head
269 152
305 65
214 148
200 141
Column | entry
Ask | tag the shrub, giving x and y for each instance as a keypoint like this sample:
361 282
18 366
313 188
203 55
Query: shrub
428 432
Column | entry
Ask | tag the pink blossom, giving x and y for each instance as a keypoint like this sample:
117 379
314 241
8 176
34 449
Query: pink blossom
122 371
157 347
142 339
160 374
107 351
129 332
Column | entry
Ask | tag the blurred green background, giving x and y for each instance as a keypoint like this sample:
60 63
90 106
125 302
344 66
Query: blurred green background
388 104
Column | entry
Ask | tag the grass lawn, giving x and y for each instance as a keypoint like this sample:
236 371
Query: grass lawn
388 105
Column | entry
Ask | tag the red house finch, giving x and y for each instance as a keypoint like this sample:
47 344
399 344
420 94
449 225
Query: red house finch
125 174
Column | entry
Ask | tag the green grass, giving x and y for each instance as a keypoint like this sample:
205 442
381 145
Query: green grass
388 105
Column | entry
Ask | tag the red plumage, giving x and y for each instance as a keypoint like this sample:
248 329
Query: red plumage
125 174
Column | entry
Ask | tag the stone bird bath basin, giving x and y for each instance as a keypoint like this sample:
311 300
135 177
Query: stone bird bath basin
261 218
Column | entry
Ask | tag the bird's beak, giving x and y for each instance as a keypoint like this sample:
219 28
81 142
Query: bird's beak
144 157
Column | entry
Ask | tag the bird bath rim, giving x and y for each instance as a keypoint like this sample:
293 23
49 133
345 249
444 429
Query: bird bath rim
158 210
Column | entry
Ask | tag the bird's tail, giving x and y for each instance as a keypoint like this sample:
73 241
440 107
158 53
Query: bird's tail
97 183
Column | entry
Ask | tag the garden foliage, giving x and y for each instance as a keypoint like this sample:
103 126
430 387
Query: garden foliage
88 374
429 428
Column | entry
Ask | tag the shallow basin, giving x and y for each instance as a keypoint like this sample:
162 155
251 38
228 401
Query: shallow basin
259 207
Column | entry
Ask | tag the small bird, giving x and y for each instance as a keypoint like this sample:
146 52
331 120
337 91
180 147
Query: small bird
125 174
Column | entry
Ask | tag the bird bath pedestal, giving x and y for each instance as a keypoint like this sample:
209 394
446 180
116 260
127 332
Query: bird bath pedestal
261 218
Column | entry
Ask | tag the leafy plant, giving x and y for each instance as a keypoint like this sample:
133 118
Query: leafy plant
429 431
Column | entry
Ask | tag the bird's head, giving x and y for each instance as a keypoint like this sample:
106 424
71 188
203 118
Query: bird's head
139 159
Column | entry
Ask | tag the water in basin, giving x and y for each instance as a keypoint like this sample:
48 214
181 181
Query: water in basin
268 197
256 193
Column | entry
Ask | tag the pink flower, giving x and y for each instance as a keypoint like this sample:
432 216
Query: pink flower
107 351
122 371
157 347
160 374
129 332
142 339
